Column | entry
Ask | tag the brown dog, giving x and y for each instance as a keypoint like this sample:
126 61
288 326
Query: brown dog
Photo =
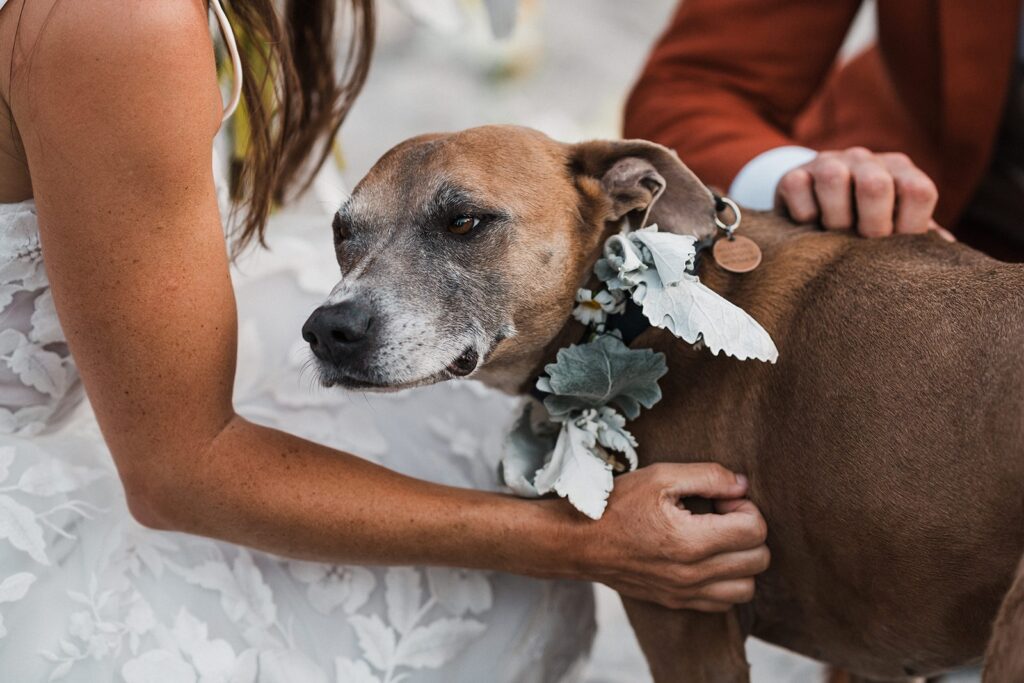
885 448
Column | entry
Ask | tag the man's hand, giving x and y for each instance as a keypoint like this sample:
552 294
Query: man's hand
876 194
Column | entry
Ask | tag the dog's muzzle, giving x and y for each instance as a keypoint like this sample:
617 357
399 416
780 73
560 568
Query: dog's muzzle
339 333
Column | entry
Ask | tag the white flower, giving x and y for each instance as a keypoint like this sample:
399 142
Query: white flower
81 625
460 590
213 659
102 644
594 309
139 622
140 617
333 586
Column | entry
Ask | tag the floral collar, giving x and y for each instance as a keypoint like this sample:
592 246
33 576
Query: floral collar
574 438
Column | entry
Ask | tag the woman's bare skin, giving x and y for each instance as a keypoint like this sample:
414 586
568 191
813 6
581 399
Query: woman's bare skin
116 104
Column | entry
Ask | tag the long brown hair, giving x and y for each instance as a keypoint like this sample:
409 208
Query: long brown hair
294 95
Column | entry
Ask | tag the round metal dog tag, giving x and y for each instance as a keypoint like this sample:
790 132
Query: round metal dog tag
737 254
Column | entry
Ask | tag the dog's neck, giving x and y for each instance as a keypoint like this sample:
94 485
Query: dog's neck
764 293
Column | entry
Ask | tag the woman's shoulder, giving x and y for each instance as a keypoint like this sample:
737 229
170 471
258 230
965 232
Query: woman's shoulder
108 21
125 28
145 55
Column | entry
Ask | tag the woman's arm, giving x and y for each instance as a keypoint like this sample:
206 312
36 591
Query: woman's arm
118 106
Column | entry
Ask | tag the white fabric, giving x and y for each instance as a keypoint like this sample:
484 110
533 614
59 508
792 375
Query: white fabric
88 594
755 184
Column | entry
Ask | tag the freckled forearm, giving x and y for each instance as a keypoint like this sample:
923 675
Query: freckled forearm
276 492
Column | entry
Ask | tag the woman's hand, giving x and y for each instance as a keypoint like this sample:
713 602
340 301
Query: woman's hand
877 194
649 547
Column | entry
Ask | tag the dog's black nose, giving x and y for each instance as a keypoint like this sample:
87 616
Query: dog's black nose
336 331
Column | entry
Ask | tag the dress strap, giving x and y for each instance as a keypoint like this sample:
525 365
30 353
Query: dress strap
236 60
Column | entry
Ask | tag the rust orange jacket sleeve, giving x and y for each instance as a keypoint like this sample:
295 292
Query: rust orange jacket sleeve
728 78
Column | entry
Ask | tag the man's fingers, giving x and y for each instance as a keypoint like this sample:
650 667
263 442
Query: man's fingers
879 194
942 232
796 196
916 194
704 479
875 190
832 190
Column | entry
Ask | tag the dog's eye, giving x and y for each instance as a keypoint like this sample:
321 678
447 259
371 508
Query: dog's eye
340 229
460 225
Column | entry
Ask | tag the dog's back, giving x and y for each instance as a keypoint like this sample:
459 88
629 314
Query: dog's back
885 449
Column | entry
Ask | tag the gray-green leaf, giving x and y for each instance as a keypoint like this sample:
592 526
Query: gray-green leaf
614 436
527 446
692 312
603 372
672 254
577 472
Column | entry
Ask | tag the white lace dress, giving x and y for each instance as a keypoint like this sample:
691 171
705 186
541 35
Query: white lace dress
87 594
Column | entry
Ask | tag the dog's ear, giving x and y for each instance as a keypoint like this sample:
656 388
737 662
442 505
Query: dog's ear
641 180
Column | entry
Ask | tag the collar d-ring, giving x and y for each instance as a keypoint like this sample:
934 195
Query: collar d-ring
721 203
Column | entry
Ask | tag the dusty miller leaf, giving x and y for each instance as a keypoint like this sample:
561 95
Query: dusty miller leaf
613 435
672 254
622 263
691 311
526 447
603 372
577 472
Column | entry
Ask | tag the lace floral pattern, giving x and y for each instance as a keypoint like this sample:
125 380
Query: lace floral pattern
86 594
36 374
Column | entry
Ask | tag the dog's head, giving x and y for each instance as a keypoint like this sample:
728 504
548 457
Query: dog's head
461 253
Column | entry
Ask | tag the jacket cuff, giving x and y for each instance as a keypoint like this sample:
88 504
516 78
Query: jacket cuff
754 186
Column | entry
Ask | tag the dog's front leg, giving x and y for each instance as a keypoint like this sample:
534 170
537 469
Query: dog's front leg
688 646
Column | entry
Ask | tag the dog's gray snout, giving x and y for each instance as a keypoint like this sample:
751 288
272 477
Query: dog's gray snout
336 331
